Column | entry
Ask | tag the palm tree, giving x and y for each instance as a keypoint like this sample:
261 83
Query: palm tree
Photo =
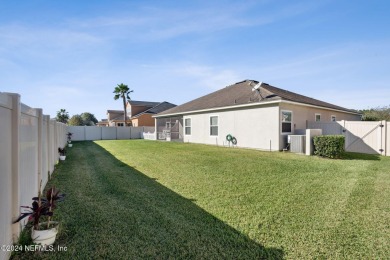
62 116
123 91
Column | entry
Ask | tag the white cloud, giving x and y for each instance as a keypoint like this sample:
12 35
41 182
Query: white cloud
211 77
149 23
82 59
17 36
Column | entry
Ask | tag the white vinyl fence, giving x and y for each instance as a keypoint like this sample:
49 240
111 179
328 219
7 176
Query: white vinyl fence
360 136
29 144
149 136
84 133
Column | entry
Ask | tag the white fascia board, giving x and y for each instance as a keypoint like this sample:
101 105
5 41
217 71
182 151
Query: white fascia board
327 108
218 108
252 105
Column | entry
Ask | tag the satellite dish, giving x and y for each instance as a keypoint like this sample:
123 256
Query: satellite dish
257 86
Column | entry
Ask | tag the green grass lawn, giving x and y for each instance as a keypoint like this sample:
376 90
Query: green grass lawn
136 199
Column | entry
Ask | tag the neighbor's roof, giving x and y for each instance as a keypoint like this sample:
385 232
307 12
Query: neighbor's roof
119 118
242 93
143 103
156 109
115 111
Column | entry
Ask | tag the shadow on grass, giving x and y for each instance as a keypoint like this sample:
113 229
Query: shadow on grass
115 211
360 156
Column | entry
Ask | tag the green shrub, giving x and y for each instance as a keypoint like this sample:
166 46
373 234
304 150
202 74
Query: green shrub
331 146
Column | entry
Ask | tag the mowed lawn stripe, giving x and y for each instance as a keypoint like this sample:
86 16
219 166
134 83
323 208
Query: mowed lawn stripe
301 204
138 199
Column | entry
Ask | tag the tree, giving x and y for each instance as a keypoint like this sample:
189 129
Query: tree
75 120
123 91
62 116
88 119
376 114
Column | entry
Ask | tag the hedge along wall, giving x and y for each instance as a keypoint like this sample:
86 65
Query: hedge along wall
331 146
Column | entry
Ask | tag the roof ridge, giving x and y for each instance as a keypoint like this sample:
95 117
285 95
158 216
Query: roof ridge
149 110
144 101
240 92
303 96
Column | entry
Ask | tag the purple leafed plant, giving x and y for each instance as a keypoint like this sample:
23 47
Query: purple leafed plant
41 207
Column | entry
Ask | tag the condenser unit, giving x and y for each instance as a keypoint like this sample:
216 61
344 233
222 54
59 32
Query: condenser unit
297 143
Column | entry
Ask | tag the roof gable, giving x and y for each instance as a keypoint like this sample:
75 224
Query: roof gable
156 109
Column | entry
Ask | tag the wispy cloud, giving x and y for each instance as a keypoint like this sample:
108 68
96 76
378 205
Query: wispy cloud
207 76
180 51
21 35
151 23
349 75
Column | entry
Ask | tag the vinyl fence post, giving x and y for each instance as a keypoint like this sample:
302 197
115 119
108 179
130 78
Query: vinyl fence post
56 145
40 146
16 115
386 140
48 160
383 137
155 129
344 133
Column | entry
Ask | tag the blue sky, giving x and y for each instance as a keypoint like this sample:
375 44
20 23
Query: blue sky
71 54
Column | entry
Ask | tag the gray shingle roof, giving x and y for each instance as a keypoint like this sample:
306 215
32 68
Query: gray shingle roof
242 93
119 118
115 111
156 109
143 103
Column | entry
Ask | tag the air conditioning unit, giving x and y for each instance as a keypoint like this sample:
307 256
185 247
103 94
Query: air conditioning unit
297 143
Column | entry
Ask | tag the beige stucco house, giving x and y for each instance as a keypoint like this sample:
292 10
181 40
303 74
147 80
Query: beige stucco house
258 115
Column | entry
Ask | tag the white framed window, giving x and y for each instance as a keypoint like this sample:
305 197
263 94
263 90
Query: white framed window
168 125
318 117
120 124
187 126
213 125
333 118
286 121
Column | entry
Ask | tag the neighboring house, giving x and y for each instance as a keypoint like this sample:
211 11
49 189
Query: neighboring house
115 118
139 113
145 118
258 115
104 122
